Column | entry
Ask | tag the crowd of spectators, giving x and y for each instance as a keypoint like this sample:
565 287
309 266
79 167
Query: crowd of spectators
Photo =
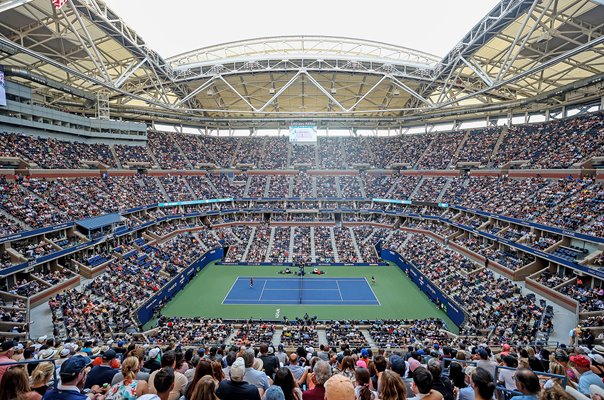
297 334
589 298
190 331
436 369
343 332
429 189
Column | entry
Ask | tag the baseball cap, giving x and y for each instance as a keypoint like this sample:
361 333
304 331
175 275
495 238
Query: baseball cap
597 358
361 364
397 364
74 365
599 349
109 355
364 353
580 361
413 364
238 369
7 345
482 353
120 343
153 353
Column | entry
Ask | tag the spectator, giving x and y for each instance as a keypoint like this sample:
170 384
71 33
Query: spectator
441 384
269 361
102 374
236 388
274 393
392 387
41 377
164 384
483 385
130 387
6 355
587 377
254 377
204 368
423 383
338 387
73 375
527 383
15 385
168 360
321 373
363 390
205 389
285 380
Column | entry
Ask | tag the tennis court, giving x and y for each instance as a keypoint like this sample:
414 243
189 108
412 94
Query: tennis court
315 291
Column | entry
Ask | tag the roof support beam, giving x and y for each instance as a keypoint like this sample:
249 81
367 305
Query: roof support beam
478 71
194 93
367 93
237 93
129 71
322 89
530 71
507 63
280 91
409 90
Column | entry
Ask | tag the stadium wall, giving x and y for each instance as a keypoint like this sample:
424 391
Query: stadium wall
145 313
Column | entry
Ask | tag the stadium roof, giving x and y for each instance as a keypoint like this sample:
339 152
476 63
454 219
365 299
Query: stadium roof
522 55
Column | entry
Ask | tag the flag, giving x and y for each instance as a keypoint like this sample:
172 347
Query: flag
59 3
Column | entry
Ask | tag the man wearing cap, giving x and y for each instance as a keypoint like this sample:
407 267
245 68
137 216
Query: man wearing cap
73 375
236 388
102 374
152 364
482 357
398 365
587 378
6 354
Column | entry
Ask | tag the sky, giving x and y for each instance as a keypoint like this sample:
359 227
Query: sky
177 26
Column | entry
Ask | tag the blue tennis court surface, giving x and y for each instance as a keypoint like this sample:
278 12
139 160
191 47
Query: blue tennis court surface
315 291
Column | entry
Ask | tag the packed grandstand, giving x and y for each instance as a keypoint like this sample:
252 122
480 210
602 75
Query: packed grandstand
105 223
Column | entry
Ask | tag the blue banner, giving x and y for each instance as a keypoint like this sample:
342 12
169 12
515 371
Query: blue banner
451 308
145 312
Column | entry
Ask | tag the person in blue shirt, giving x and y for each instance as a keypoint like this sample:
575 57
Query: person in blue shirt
102 374
527 382
73 374
587 378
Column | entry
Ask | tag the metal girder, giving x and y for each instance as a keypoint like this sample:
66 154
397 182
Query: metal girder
531 71
289 47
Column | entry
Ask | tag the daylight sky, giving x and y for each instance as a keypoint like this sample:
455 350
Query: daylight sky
176 26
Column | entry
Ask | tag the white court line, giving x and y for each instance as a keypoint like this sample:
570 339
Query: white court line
370 288
268 290
232 286
339 291
263 286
